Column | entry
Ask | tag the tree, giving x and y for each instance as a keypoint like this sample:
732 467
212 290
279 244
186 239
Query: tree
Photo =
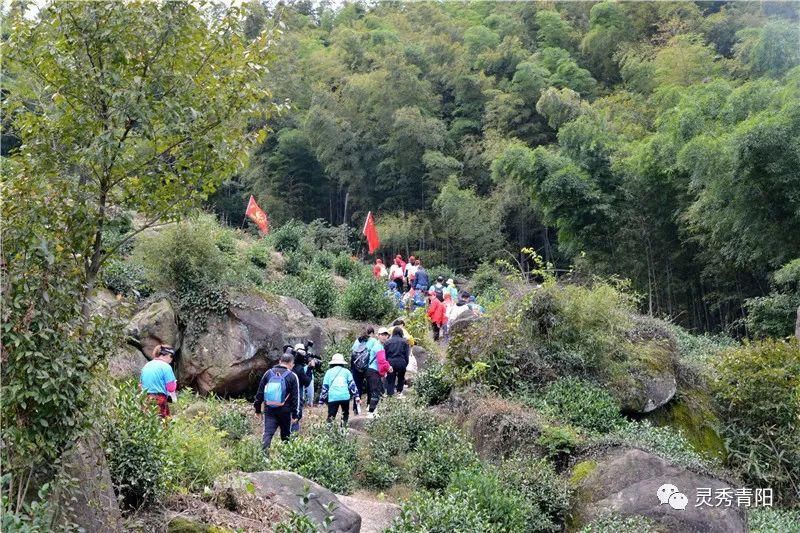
770 50
119 106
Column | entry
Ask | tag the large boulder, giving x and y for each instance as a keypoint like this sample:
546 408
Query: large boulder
375 516
626 481
338 330
234 351
463 322
156 323
422 356
93 504
287 489
104 303
126 363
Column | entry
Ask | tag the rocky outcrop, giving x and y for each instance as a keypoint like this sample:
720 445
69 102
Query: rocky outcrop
646 389
93 503
338 330
626 481
422 356
126 363
287 489
234 351
156 323
463 323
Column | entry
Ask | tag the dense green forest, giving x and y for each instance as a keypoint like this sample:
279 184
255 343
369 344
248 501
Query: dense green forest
654 141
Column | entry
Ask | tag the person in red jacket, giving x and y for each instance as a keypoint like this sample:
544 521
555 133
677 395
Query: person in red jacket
436 314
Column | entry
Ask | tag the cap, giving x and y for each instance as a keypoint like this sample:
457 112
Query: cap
383 331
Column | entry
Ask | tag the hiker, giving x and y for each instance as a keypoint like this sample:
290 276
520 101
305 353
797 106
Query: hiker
395 295
421 280
435 313
438 288
460 309
303 369
360 359
451 287
377 369
158 380
379 269
448 309
410 272
418 298
475 306
338 387
279 390
397 353
396 274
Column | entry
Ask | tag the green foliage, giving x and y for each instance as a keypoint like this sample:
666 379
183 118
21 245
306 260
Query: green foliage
232 419
769 519
558 442
663 441
433 385
612 523
195 453
486 280
248 455
503 509
322 293
583 404
364 299
325 454
439 454
437 512
546 493
400 428
756 388
345 266
136 442
700 348
126 278
287 237
32 517
772 316
259 254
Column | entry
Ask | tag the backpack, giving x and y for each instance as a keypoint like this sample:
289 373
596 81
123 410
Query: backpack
359 357
275 391
439 293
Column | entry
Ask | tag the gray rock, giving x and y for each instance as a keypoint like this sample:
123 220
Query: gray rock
626 481
235 350
422 357
155 324
463 322
126 363
648 390
375 516
287 489
95 507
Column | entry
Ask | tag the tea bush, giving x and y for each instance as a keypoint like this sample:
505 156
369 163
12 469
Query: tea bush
248 455
440 513
547 494
325 454
663 441
700 348
773 520
487 279
231 418
439 454
364 299
757 388
348 268
503 509
378 471
433 385
613 523
196 454
259 254
322 293
582 404
136 442
126 278
287 237
401 426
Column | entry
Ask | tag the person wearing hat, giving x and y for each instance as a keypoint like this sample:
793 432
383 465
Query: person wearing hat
462 308
379 269
451 286
158 380
377 368
401 323
436 313
338 386
395 295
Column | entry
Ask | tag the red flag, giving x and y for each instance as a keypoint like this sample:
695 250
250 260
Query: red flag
371 233
257 215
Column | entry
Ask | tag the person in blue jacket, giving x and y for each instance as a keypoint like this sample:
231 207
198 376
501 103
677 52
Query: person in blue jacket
421 281
338 386
392 292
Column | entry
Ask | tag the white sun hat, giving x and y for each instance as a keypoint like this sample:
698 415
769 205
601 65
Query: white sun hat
338 359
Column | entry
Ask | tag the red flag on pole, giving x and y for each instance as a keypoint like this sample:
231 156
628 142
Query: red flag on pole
371 233
257 215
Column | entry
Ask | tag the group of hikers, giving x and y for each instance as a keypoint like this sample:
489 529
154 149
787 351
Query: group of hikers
376 367
409 286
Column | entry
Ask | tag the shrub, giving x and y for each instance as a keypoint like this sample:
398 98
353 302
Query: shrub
663 441
503 509
441 270
440 513
439 454
127 278
772 316
293 263
323 260
291 286
319 235
700 348
345 266
419 327
558 442
322 293
546 493
582 404
248 455
195 453
377 468
364 299
226 241
135 445
486 280
400 427
757 388
769 520
231 418
434 384
259 254
614 523
287 237
325 454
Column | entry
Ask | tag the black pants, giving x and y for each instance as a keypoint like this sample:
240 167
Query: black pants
395 379
375 387
436 331
399 282
333 407
361 383
275 419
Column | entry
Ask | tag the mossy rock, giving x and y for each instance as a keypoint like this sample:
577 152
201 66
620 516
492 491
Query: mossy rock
693 416
581 470
192 525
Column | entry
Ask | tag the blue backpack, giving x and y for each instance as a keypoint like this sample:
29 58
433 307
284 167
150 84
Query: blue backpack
275 391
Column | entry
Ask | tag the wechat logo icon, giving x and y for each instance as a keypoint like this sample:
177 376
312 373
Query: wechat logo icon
669 494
